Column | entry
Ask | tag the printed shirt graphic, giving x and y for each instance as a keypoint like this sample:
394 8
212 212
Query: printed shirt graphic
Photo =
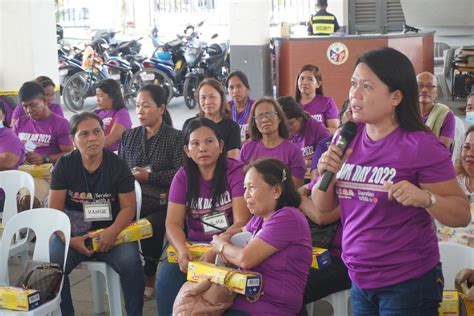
322 109
385 243
309 137
202 207
47 134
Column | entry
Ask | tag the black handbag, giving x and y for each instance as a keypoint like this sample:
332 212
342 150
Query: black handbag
44 277
322 236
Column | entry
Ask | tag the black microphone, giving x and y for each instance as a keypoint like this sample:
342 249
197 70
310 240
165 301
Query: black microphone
348 132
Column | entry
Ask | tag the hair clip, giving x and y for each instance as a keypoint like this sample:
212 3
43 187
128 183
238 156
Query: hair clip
283 177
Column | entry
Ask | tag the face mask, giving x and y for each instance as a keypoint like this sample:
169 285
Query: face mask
470 117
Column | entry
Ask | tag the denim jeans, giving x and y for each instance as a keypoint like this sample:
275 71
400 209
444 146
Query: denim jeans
169 282
420 296
124 259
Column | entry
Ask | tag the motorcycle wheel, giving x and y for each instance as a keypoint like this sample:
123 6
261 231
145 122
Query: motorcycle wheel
77 89
144 77
189 90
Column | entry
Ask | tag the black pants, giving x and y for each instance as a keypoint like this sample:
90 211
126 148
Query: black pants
152 247
321 283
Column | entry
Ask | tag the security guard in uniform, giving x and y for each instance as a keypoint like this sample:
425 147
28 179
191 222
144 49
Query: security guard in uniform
323 22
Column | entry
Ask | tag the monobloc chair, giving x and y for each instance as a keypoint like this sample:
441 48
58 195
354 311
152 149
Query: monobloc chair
100 270
454 258
339 302
44 229
11 181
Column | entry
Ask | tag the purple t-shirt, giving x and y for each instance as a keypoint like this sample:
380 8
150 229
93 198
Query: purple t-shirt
385 243
241 118
111 117
448 128
287 152
320 149
47 134
286 271
9 143
322 109
310 135
8 112
235 188
20 111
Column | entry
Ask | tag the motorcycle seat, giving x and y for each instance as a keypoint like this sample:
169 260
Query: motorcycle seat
166 62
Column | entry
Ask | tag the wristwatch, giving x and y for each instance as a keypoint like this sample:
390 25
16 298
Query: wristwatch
432 199
221 248
46 159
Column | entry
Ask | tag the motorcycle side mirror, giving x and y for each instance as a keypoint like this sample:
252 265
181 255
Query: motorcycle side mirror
214 36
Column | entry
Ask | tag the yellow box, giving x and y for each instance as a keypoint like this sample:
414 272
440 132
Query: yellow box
138 230
196 249
450 304
38 171
18 299
247 283
321 258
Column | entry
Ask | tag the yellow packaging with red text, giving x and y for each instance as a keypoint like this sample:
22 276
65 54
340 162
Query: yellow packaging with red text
18 299
450 304
196 250
138 230
42 171
242 282
321 258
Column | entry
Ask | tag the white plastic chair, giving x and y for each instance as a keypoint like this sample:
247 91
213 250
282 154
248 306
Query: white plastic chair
35 220
454 258
11 181
100 270
339 302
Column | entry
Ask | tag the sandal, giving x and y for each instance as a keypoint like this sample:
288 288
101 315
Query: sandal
148 294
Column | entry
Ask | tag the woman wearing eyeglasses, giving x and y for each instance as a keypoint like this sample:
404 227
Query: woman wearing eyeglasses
212 105
268 134
208 189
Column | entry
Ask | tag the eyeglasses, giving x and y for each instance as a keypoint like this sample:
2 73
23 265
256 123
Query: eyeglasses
264 115
426 86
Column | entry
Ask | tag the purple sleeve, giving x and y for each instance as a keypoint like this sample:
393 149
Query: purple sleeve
321 148
178 188
448 128
321 132
296 164
434 161
18 112
56 108
281 229
236 178
62 132
252 224
331 111
243 157
123 117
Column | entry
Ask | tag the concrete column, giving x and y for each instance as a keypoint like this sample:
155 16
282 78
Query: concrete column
27 43
249 33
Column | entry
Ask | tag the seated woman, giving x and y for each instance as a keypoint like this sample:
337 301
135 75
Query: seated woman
48 87
280 248
91 177
268 134
212 105
304 130
309 93
12 151
153 145
112 111
238 89
209 188
465 176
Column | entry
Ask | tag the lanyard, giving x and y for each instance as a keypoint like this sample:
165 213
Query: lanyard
101 172
244 116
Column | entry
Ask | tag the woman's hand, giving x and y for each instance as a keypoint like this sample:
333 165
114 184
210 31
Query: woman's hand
141 175
303 191
407 194
332 159
209 257
107 239
79 244
33 158
184 256
218 241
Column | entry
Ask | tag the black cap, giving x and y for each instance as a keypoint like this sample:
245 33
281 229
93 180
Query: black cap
322 2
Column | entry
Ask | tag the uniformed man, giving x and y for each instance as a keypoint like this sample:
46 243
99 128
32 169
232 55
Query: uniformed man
323 22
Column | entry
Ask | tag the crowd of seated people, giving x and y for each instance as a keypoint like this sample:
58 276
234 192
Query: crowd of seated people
240 166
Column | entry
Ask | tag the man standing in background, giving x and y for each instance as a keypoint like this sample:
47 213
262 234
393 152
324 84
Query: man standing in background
323 22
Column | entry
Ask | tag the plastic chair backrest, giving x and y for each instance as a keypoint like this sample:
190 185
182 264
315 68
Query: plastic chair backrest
454 258
138 193
44 222
11 181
